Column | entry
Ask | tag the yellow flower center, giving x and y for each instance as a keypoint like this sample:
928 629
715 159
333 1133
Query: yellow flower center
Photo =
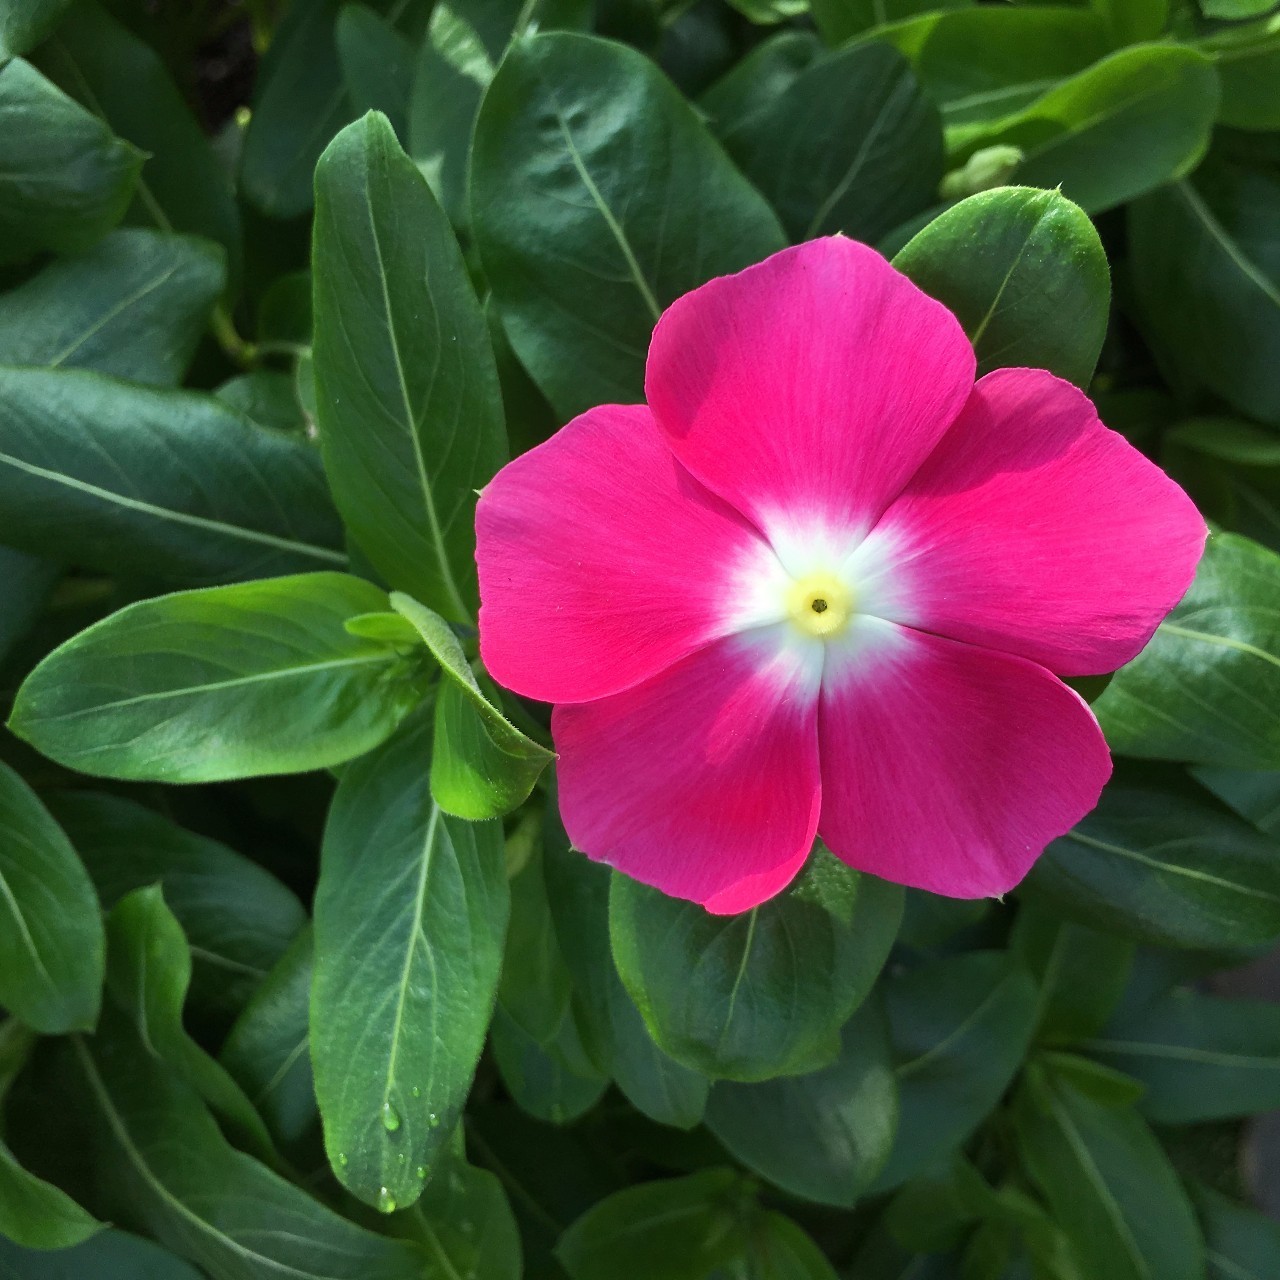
820 604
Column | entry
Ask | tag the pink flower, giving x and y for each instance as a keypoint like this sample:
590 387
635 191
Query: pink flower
819 586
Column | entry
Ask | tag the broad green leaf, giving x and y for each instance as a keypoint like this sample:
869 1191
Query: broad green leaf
822 1136
1109 1185
764 993
850 145
377 64
238 918
410 915
678 1228
1025 274
266 1050
959 1027
578 895
841 20
598 197
1080 973
482 766
51 938
148 974
205 1200
299 103
777 1249
1207 687
1132 21
1200 1058
65 180
749 90
1248 62
410 412
35 1214
194 493
452 72
535 1037
1205 263
109 1255
1252 793
1242 1243
1124 126
25 585
1231 469
24 23
1159 861
465 1220
268 665
983 62
134 306
184 185
1235 10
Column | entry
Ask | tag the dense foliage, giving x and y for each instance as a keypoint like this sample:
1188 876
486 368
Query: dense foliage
301 975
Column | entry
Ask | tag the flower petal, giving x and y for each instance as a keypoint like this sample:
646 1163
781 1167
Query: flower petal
1036 530
602 561
807 389
948 767
704 780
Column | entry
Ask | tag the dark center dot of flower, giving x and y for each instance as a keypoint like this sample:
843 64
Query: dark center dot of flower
819 605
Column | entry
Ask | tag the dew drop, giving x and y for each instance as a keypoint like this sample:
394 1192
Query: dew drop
557 1113
415 1092
433 1120
386 1201
402 1158
390 1118
342 1159
421 1171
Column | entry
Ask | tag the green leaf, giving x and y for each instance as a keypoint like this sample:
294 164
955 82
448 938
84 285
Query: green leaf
134 306
777 1249
410 412
238 917
960 1027
109 1255
51 939
266 1050
598 197
1132 21
452 73
184 184
841 20
822 1136
1252 793
195 493
24 23
578 896
148 974
553 1080
27 582
1248 62
1157 860
1243 1244
269 664
982 62
1206 280
1200 1058
761 994
850 145
410 915
679 1229
1124 126
1207 687
1232 470
1081 973
1109 1185
1025 274
267 398
299 103
65 180
466 1221
205 1200
482 766
377 64
34 1214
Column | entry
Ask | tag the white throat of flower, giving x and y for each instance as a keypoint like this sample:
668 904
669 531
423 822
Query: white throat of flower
816 603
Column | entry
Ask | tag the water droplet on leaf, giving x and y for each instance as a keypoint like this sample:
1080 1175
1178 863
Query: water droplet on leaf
390 1118
386 1201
